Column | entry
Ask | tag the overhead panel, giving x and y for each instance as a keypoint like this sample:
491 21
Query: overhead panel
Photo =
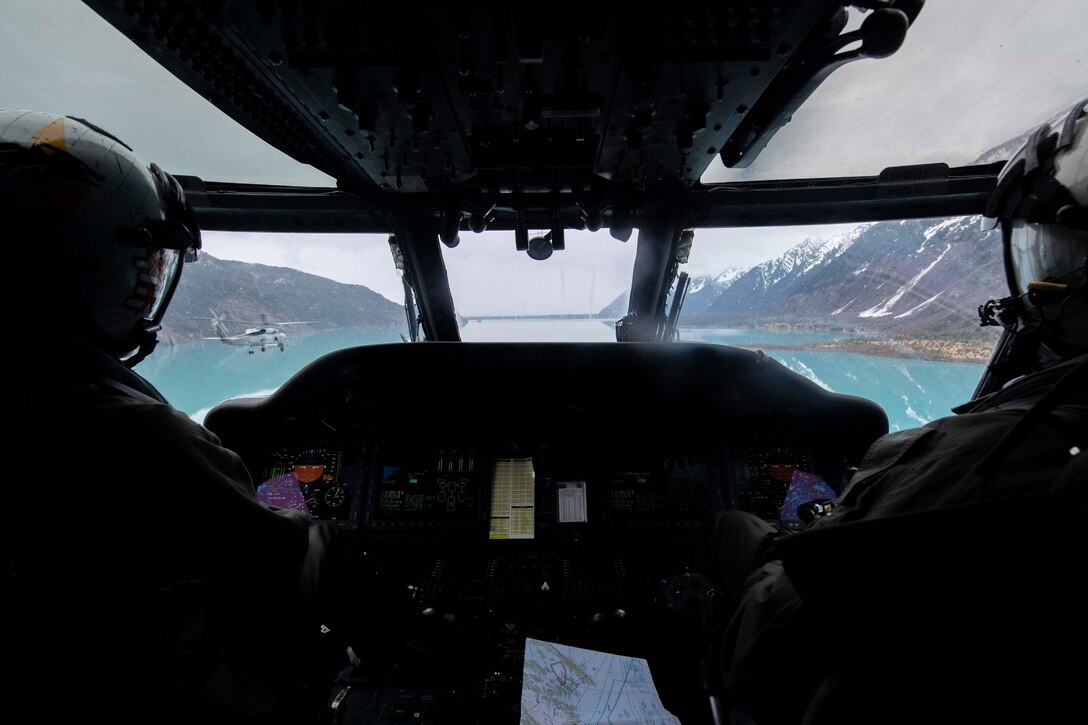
482 97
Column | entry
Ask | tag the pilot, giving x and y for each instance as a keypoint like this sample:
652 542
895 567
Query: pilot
786 651
147 581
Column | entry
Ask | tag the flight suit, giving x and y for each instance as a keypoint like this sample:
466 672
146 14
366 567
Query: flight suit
159 587
783 657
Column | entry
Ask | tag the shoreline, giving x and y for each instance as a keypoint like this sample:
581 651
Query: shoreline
919 349
969 346
975 352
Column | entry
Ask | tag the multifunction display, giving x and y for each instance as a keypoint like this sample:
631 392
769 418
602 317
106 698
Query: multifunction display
433 485
763 478
665 487
310 480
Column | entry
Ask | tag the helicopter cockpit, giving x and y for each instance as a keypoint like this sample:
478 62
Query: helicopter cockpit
503 498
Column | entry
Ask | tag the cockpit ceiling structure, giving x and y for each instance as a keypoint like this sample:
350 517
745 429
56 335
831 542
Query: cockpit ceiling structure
508 115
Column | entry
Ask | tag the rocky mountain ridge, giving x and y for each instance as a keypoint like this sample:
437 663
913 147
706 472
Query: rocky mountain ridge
911 277
915 283
244 291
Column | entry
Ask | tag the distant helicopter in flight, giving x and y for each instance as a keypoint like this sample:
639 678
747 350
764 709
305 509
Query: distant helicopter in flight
265 335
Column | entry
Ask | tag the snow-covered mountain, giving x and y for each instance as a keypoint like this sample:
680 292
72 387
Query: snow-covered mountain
703 291
907 276
244 291
762 286
915 277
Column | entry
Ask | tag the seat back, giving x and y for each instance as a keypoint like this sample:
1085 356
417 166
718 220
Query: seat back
82 629
965 613
23 454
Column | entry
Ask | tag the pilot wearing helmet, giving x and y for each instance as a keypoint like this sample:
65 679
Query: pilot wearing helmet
941 585
147 582
1041 204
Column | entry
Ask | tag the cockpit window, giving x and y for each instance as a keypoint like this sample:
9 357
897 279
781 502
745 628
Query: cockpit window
256 308
61 57
884 310
970 76
575 294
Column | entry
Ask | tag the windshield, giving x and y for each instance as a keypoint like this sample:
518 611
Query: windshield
970 76
971 79
254 309
884 310
60 56
576 294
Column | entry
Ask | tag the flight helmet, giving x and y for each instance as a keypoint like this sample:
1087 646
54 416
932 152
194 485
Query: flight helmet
1041 204
102 237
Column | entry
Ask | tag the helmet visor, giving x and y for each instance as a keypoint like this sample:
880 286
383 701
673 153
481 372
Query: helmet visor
1045 253
157 273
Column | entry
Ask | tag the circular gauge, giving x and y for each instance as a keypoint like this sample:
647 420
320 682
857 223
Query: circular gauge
335 496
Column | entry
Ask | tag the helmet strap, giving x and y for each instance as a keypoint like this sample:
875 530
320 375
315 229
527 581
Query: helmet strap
148 340
1021 358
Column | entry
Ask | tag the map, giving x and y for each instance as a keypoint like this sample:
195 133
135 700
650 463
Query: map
283 492
562 684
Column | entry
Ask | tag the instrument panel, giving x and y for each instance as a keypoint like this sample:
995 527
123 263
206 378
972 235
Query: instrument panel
323 482
410 484
559 492
387 485
547 437
656 487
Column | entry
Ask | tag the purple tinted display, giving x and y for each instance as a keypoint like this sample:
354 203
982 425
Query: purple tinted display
804 487
283 491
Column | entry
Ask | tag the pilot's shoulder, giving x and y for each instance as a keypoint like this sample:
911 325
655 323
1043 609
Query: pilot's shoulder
1026 390
145 418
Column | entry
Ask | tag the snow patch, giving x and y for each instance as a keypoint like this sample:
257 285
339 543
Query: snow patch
718 283
938 227
806 256
919 306
861 269
884 309
729 276
843 307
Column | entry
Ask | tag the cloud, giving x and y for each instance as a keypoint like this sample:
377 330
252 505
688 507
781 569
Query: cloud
61 57
362 259
970 75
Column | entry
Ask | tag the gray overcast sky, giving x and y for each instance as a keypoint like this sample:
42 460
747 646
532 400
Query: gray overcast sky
971 74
